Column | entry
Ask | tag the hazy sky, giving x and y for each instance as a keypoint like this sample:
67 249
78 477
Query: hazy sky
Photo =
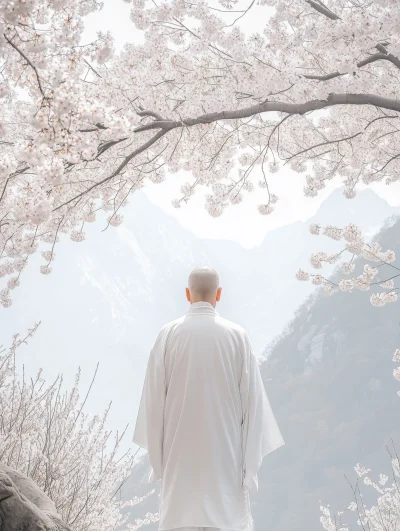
241 223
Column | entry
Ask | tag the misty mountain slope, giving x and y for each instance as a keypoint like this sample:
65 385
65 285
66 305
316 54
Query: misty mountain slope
108 296
329 379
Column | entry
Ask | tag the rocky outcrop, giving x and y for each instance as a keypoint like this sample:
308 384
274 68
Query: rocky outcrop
23 506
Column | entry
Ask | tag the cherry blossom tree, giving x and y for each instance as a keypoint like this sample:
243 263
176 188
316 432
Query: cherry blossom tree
82 128
45 434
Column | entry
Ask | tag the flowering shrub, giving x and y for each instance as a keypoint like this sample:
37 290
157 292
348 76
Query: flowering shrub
45 434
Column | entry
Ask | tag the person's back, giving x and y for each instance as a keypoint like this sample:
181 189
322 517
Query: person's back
204 416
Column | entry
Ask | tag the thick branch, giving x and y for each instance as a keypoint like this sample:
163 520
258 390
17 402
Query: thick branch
379 57
277 106
321 8
368 60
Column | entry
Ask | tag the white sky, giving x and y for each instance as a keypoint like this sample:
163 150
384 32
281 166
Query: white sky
241 223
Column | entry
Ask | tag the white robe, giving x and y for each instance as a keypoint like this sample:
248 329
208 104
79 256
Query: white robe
206 421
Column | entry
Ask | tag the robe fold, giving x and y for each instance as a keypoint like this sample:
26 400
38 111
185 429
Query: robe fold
206 422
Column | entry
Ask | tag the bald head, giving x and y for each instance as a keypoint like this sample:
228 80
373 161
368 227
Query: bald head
203 285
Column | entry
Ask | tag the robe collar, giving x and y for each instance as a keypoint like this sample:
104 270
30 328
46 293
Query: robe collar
202 307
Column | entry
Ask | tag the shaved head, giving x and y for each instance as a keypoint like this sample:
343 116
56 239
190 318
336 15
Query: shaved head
203 284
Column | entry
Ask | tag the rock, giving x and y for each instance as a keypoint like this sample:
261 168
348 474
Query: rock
23 506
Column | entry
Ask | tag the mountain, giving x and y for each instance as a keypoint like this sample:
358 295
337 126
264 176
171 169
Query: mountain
107 297
329 379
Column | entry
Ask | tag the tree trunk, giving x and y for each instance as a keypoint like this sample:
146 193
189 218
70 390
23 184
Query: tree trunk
24 507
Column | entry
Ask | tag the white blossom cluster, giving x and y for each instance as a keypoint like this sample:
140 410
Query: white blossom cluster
78 135
384 515
308 56
396 371
355 245
45 434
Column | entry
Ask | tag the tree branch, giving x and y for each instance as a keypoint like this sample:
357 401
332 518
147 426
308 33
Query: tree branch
91 68
28 61
267 106
378 57
380 118
276 106
107 145
150 113
321 8
18 172
322 144
126 160
388 162
368 60
92 129
325 77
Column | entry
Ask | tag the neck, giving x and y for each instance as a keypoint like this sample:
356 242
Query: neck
213 303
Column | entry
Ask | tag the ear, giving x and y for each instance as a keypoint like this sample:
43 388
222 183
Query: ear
188 294
217 298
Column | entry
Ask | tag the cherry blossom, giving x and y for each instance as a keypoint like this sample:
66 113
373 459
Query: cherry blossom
355 245
46 434
82 128
383 515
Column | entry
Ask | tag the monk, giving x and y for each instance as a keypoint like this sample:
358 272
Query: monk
204 416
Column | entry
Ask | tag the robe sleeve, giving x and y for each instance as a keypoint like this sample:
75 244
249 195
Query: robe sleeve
149 428
260 432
